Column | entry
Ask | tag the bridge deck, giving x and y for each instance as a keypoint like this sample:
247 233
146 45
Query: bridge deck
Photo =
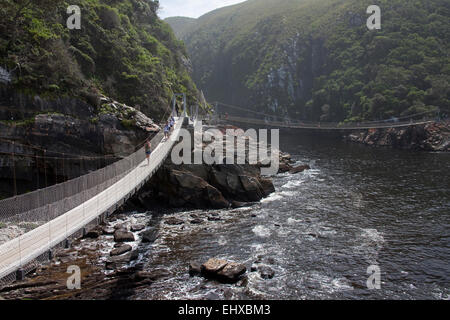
20 251
324 125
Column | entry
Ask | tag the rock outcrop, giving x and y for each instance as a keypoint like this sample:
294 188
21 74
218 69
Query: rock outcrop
427 137
206 186
66 128
218 269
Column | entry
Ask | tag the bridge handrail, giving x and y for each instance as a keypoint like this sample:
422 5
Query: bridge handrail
13 209
329 125
61 220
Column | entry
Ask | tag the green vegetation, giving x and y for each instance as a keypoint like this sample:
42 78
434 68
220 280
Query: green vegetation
19 123
122 50
317 60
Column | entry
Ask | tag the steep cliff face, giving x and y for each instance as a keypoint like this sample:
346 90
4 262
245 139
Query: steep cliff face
93 92
56 140
317 60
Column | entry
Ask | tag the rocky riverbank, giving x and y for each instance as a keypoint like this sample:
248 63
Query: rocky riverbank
426 137
114 257
116 260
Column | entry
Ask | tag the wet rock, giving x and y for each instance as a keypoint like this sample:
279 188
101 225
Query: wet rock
299 169
121 217
232 271
266 272
213 266
222 270
93 234
113 265
150 236
213 296
137 227
124 259
284 167
108 231
174 221
237 204
123 236
195 268
153 275
120 250
121 226
197 221
228 294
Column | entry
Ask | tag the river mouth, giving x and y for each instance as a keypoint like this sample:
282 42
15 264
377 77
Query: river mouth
321 231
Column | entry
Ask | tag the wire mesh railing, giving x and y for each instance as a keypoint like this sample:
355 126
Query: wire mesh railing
328 125
65 208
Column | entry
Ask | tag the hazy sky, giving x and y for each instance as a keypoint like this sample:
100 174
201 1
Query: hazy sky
191 8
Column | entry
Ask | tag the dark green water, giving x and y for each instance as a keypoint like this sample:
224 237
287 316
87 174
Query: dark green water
323 228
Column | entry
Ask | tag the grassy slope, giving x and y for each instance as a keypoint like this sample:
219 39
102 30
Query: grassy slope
316 59
180 25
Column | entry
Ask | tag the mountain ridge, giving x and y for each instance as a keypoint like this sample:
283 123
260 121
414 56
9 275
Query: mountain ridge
317 60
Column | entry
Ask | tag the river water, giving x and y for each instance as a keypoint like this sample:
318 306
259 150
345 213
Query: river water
321 230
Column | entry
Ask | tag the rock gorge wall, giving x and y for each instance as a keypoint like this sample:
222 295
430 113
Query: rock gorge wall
428 137
66 128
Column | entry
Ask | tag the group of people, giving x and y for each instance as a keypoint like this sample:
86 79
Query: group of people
169 126
167 129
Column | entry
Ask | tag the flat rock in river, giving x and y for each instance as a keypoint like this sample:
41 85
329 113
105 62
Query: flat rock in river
123 236
232 271
120 250
174 221
299 169
213 265
137 227
150 236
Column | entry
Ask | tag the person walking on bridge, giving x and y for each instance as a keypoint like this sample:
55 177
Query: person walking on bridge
166 130
148 150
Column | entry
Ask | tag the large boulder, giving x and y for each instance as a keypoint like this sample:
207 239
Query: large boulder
206 186
150 236
219 269
213 266
300 169
123 236
232 272
120 250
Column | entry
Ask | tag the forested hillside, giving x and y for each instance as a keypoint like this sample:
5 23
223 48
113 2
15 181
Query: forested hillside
123 50
181 25
317 60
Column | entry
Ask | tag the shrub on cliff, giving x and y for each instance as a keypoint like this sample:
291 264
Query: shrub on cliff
122 50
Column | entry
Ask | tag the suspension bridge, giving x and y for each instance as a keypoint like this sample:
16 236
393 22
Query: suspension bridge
267 120
68 210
